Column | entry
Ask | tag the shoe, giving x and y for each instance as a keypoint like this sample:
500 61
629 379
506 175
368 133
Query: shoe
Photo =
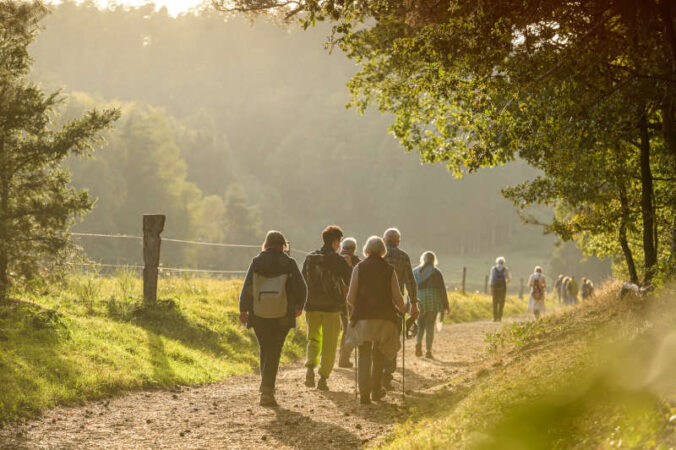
322 385
365 400
378 395
310 377
418 350
387 385
268 397
345 364
428 354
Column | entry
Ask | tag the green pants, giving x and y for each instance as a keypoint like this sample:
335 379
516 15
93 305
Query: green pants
323 330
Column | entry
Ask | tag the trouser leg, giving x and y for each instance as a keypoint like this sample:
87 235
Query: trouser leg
271 341
495 305
430 323
421 330
377 369
345 348
364 368
330 334
500 297
313 320
390 365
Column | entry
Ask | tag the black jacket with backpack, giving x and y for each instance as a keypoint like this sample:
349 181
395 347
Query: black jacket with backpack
271 263
326 273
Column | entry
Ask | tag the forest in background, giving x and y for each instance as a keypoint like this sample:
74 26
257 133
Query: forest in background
232 128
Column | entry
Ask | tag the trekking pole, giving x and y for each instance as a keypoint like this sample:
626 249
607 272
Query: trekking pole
356 370
403 359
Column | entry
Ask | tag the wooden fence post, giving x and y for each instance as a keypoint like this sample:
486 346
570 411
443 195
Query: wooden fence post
521 290
464 278
486 285
153 224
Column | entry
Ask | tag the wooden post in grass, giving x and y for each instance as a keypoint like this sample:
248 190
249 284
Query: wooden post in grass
464 278
153 224
521 290
486 285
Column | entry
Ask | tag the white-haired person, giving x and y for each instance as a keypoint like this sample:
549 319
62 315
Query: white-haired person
499 279
401 262
432 301
348 248
374 299
538 285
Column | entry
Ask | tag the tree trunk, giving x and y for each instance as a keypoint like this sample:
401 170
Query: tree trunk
4 232
650 255
626 250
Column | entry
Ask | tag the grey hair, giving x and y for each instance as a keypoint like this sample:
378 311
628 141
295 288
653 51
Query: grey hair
392 235
538 269
349 243
428 257
375 246
500 260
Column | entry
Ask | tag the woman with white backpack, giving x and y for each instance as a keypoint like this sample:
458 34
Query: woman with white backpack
537 285
272 296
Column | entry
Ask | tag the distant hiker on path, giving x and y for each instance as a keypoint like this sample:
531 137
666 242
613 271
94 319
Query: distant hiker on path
558 285
587 288
326 274
571 290
499 279
374 300
538 286
347 250
272 297
433 301
399 259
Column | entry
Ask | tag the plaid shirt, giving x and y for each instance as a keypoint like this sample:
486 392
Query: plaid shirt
402 266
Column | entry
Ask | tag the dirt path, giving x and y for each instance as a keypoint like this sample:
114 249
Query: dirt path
226 415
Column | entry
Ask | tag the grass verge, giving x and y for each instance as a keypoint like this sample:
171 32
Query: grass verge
473 306
601 375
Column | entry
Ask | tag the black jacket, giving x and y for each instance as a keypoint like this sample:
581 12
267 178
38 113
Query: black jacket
342 270
272 263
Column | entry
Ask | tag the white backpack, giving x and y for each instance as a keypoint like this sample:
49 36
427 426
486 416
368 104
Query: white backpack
270 300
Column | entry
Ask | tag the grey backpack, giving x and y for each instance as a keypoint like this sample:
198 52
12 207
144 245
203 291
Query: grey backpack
269 295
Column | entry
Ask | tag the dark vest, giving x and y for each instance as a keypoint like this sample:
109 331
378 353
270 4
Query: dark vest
374 295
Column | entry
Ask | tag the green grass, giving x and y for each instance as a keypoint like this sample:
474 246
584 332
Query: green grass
598 376
92 338
473 306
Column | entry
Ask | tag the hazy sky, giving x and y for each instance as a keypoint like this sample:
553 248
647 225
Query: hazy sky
173 6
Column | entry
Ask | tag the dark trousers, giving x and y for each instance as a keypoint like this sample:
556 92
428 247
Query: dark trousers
370 368
345 348
498 302
390 365
271 335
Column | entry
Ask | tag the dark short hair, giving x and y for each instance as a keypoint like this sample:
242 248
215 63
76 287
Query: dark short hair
274 238
331 234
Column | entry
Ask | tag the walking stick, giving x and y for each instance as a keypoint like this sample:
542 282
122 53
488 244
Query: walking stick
403 359
356 370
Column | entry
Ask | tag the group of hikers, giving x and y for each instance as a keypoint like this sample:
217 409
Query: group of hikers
339 292
359 304
566 289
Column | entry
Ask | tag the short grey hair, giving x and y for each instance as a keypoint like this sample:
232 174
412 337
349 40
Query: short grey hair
375 246
349 243
428 257
392 235
500 260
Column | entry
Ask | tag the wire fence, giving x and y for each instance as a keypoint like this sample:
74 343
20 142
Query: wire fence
169 269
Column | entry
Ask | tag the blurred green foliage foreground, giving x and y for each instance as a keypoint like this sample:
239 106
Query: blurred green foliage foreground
602 375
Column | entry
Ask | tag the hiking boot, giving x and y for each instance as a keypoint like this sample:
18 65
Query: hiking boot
378 395
418 350
345 363
428 354
322 385
310 377
268 397
387 385
365 400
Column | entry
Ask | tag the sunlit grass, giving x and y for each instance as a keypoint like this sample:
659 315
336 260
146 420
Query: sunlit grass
598 376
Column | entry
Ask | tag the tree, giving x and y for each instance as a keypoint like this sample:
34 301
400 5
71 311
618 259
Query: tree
476 84
36 204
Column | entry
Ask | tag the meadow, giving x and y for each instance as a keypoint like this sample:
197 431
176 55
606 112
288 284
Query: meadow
91 337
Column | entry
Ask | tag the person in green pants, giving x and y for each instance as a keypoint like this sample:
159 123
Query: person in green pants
326 273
